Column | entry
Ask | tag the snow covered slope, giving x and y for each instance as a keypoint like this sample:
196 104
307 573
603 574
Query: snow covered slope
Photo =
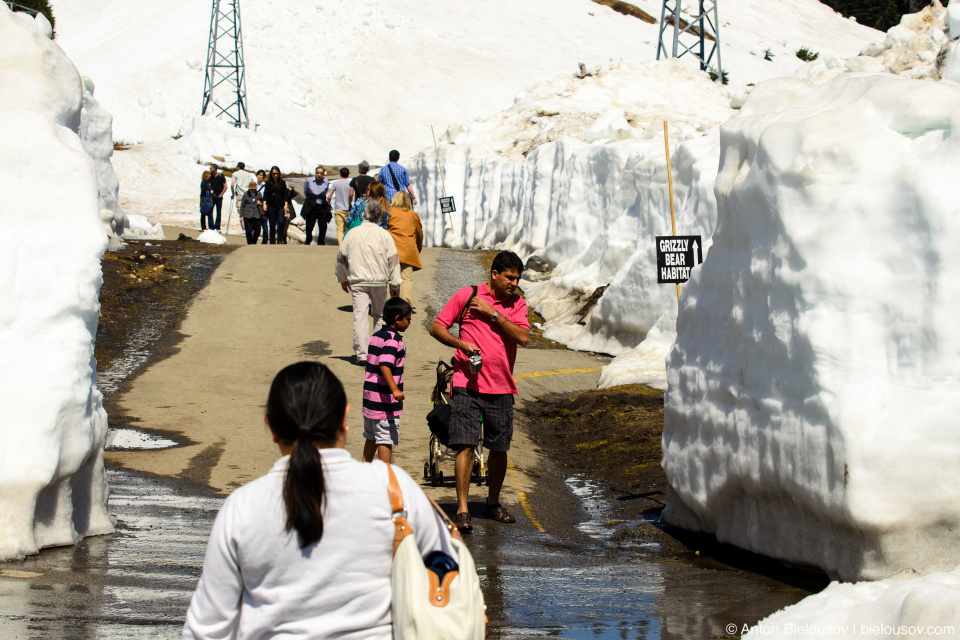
52 424
811 406
347 79
343 81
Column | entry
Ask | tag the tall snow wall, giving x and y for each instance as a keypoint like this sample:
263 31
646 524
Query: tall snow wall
52 423
811 410
582 183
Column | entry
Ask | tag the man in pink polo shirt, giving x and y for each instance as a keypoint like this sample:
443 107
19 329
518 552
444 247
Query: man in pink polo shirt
492 324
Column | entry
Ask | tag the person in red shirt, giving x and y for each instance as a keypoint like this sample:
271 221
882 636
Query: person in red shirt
492 323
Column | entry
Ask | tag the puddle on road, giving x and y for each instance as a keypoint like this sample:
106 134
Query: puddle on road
602 525
136 583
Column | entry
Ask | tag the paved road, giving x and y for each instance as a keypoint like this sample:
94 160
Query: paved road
268 306
553 574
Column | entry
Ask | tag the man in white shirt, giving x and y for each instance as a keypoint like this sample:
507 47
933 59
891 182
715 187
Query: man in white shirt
239 181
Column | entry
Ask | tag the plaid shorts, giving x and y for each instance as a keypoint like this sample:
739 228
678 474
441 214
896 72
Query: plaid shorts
497 411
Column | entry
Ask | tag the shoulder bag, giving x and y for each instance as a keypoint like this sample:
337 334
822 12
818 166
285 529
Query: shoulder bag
426 606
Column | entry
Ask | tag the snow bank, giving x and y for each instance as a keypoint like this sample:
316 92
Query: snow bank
811 407
895 609
528 180
211 237
162 179
52 424
96 133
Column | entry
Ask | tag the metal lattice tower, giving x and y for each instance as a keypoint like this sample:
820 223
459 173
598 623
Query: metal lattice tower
225 85
691 36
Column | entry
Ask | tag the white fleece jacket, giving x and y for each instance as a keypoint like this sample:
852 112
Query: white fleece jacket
368 257
258 583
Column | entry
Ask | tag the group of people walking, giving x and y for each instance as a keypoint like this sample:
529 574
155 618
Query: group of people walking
307 550
265 203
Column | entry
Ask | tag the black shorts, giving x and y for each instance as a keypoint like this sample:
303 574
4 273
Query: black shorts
497 411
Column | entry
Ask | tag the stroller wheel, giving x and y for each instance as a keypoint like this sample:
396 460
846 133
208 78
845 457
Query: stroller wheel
440 478
476 473
426 470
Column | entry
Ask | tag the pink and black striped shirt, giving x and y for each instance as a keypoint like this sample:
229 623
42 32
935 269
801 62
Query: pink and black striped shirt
386 348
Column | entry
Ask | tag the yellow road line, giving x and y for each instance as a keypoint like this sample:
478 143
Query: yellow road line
527 509
514 476
555 372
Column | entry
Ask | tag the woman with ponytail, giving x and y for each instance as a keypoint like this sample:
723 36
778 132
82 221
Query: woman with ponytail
306 550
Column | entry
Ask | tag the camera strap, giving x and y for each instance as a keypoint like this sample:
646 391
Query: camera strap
466 307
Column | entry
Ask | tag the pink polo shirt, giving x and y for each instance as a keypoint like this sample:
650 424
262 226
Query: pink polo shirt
499 352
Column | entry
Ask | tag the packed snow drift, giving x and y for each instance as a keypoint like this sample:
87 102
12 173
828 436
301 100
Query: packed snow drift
52 484
901 608
811 400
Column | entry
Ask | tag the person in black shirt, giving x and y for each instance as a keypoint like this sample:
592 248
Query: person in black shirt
275 197
261 185
358 186
218 186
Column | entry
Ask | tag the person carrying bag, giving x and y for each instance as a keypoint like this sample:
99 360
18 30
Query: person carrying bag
441 601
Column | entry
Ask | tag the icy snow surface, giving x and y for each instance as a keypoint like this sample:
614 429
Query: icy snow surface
52 485
908 608
811 406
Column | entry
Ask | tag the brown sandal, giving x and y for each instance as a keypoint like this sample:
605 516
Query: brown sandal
499 513
463 523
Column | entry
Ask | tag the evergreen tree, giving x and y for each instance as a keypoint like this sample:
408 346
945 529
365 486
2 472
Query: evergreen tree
43 6
880 14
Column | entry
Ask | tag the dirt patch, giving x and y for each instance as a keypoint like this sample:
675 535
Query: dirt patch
628 10
612 435
147 286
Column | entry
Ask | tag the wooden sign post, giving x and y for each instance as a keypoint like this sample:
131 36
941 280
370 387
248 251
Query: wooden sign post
444 207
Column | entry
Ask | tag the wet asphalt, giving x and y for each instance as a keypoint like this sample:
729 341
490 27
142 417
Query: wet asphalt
565 575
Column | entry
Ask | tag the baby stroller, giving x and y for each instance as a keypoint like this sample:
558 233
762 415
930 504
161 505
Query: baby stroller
439 421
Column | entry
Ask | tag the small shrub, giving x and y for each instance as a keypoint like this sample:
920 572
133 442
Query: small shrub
806 55
767 54
724 77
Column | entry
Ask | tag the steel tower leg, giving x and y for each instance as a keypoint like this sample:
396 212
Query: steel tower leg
691 35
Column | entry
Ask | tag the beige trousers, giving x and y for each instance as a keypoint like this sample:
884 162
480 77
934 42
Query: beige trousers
374 297
406 282
341 217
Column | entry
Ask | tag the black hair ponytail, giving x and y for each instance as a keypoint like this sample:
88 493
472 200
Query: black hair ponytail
306 406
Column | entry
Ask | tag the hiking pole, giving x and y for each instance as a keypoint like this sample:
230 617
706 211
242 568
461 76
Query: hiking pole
229 213
673 218
440 167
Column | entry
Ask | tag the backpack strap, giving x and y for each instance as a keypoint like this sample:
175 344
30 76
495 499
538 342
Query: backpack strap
466 307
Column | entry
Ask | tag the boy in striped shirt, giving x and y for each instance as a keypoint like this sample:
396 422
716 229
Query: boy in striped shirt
383 382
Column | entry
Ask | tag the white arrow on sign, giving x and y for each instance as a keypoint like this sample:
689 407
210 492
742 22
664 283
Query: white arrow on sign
696 253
